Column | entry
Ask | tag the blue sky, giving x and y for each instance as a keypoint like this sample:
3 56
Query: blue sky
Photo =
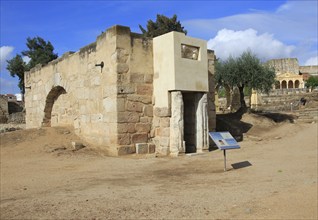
271 29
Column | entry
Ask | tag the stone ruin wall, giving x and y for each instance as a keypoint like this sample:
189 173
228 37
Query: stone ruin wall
111 106
286 65
4 112
312 70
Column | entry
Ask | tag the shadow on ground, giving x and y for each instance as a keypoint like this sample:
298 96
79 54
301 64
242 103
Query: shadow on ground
277 117
232 122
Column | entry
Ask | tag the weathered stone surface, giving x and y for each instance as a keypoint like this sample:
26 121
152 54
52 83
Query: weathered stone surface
122 68
151 148
127 89
126 128
202 139
140 98
164 141
139 138
144 119
143 127
148 78
162 112
137 78
163 132
121 104
164 150
128 117
141 148
123 139
156 122
176 123
134 106
120 56
144 90
148 110
123 78
123 150
165 122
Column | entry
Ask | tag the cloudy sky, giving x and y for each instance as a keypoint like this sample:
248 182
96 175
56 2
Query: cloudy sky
270 29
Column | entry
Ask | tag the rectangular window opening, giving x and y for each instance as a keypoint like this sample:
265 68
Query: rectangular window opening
190 52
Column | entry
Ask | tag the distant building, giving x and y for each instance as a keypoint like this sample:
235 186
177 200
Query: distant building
289 74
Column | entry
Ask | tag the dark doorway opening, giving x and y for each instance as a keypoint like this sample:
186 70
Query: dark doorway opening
189 101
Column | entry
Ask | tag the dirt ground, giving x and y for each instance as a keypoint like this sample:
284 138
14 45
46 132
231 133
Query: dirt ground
274 177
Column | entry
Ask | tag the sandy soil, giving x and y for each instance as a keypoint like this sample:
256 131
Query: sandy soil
275 178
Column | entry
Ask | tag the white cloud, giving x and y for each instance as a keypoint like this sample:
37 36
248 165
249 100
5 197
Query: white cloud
293 23
312 61
26 59
234 43
5 53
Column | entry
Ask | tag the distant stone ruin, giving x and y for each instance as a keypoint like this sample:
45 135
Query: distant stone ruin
4 111
289 74
126 94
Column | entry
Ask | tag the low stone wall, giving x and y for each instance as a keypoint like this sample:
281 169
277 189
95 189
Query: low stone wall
285 102
17 118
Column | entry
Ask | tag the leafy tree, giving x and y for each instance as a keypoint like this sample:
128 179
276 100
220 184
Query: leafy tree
161 26
39 51
245 71
16 66
312 82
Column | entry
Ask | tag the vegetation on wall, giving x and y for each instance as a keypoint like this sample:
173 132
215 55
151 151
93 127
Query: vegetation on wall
39 51
161 26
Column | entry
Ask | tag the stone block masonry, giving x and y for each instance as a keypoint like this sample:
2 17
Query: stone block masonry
111 107
4 111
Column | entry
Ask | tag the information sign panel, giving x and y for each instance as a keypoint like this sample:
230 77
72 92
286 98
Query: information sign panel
224 140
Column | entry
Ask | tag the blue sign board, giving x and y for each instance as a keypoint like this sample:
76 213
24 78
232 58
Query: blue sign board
224 140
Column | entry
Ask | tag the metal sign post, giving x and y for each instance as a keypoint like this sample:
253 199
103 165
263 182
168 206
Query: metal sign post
224 141
224 153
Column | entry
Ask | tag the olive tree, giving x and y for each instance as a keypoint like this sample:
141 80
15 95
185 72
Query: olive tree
245 71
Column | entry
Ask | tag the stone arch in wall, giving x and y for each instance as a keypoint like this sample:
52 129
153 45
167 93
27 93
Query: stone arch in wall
284 84
49 102
297 83
290 84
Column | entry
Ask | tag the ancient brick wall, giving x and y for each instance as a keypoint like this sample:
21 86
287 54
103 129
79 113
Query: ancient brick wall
4 112
286 65
110 105
135 90
312 70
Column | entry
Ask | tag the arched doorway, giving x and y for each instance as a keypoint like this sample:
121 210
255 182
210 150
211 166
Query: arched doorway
290 84
284 84
50 99
297 84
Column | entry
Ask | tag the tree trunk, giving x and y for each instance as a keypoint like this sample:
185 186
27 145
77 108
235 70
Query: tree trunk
228 95
243 108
